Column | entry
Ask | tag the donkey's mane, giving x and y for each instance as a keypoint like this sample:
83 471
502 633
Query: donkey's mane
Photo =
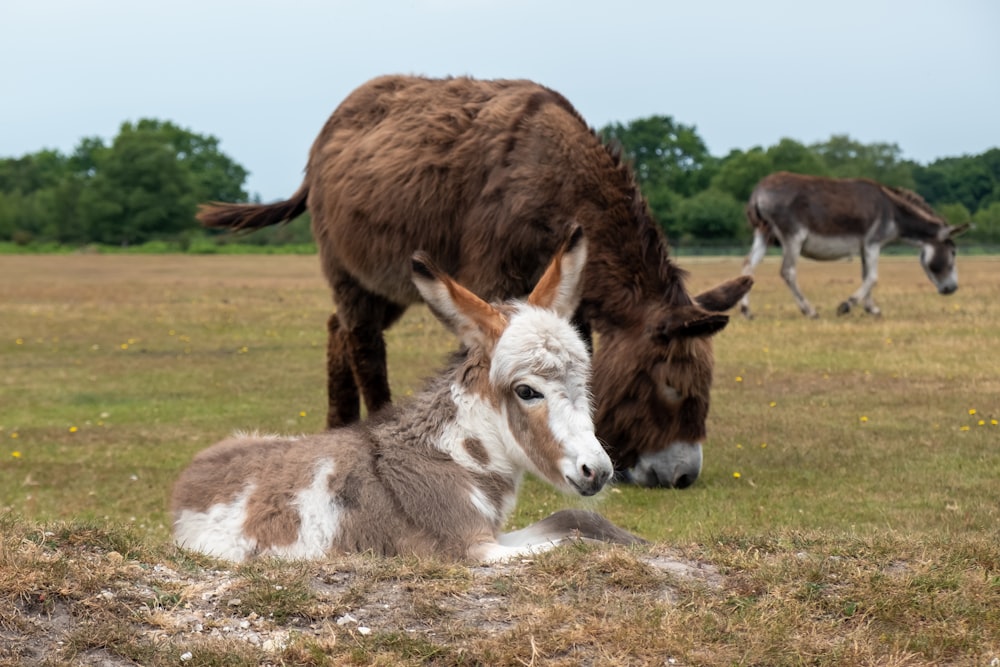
655 249
914 202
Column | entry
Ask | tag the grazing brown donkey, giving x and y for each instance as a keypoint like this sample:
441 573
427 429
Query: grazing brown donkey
487 176
439 474
830 218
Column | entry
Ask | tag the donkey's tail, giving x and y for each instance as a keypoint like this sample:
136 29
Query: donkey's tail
757 220
248 217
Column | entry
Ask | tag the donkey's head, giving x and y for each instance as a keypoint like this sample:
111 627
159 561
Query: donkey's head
532 404
653 382
937 256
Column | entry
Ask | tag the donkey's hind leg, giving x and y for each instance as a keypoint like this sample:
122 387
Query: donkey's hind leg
343 401
757 252
363 317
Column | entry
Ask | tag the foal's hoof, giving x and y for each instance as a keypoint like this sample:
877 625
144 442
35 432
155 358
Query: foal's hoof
844 308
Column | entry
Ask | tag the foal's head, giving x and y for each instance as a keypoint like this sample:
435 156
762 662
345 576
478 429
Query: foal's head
532 408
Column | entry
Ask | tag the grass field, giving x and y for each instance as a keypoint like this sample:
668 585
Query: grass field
848 512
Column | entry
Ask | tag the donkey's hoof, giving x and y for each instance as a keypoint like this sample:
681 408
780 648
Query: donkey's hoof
745 311
844 308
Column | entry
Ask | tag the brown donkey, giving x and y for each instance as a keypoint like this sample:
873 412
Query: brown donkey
487 176
437 475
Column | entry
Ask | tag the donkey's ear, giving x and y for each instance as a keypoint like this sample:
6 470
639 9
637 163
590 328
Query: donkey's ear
724 296
561 286
687 322
950 232
465 314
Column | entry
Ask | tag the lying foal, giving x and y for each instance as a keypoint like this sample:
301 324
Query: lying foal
439 475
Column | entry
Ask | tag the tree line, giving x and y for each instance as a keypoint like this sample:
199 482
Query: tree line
146 183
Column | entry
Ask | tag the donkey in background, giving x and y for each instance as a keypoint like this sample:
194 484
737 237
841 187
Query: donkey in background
487 176
438 475
826 218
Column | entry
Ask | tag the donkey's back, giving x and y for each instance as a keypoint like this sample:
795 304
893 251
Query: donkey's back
407 162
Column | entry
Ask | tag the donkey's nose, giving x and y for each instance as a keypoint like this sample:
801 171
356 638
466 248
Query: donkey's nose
948 288
597 477
590 478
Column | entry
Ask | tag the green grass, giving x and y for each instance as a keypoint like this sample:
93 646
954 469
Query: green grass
864 532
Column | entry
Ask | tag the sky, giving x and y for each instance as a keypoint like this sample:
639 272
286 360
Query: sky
263 77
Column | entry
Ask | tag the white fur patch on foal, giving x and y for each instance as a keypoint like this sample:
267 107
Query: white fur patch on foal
319 518
217 531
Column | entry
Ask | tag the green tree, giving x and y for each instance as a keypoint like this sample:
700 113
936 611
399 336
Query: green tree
140 190
740 171
790 155
882 162
987 224
711 215
664 152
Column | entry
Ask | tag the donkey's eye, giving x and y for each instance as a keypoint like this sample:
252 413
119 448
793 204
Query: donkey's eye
526 393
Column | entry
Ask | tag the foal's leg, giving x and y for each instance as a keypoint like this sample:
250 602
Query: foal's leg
790 249
757 252
869 277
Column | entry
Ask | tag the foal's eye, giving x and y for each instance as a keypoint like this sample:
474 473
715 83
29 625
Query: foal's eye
526 393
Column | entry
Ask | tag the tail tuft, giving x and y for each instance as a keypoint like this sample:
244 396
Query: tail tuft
250 217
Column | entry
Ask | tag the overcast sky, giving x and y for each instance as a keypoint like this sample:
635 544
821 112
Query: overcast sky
264 76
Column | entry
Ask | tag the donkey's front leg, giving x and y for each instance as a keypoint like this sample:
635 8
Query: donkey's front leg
869 277
791 248
561 526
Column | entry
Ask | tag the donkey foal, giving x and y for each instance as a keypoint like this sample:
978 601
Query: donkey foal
439 475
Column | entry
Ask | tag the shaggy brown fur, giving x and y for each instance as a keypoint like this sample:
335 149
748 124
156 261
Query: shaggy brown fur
486 176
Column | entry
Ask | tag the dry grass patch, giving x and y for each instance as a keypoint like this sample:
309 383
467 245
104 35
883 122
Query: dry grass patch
861 528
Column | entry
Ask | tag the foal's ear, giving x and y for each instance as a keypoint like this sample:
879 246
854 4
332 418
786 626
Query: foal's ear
724 296
687 322
561 286
465 314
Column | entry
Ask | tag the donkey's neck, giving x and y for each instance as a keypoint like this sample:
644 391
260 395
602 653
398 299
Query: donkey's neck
450 433
913 223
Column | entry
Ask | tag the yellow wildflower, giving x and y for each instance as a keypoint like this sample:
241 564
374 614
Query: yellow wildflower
16 455
739 378
772 404
972 411
73 429
302 414
863 419
736 475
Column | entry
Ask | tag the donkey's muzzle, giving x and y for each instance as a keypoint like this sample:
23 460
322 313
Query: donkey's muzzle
590 480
